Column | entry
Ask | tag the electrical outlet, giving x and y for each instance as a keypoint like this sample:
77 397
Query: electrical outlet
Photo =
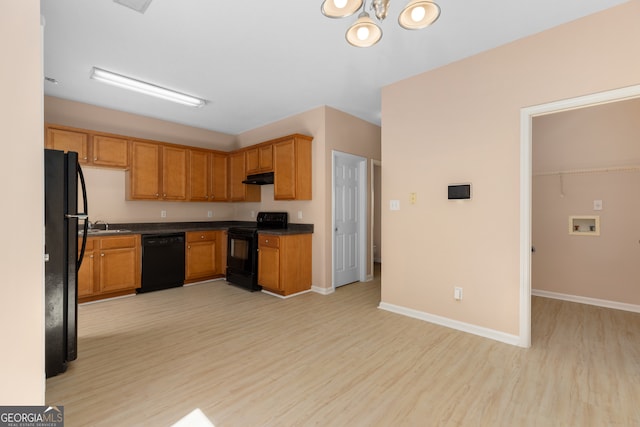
163 214
394 205
457 293
252 214
412 198
597 205
209 214
299 214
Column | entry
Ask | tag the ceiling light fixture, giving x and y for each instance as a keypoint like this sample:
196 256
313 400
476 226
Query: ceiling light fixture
119 80
416 15
137 5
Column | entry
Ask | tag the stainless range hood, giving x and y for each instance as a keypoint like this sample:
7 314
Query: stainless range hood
259 179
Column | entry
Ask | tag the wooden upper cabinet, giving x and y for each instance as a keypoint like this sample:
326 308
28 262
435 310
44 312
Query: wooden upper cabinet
259 159
93 148
110 151
69 140
292 168
158 172
198 175
239 192
174 173
207 176
218 182
144 175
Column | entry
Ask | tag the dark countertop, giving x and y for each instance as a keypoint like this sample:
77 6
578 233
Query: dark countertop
181 227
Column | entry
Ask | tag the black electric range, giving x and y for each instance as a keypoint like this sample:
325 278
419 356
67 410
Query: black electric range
242 249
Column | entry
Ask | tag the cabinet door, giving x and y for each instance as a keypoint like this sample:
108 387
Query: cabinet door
198 175
174 173
259 159
252 161
284 159
201 259
236 176
87 271
144 175
269 267
66 140
266 158
218 186
292 169
109 151
118 268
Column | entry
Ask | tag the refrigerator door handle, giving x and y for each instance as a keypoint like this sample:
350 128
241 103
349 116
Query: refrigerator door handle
84 216
81 216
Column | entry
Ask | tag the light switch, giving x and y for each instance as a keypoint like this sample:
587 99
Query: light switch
394 205
597 205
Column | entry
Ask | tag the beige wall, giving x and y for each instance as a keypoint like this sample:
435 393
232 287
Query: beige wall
461 123
583 143
22 283
106 197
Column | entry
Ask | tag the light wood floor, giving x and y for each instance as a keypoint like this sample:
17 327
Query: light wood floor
250 359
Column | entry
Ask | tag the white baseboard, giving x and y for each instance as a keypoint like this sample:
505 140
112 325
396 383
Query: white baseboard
204 281
586 300
322 291
283 296
453 324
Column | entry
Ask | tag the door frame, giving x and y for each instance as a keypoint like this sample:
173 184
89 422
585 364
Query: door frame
362 217
372 171
526 179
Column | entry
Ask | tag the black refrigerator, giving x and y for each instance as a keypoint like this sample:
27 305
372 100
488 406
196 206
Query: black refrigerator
62 176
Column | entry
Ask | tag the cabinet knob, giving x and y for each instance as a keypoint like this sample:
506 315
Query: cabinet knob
157 195
84 158
202 237
267 240
189 247
164 195
90 256
101 254
95 159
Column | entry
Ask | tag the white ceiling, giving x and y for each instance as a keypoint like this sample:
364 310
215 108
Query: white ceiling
259 61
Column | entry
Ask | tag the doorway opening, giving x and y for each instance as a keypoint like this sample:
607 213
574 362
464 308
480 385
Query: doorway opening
526 178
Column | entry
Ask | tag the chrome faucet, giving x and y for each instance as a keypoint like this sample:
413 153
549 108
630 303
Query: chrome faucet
106 225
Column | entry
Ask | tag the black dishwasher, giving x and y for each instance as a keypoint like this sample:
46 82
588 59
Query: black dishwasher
162 261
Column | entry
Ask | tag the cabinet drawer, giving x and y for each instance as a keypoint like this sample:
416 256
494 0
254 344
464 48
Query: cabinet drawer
200 236
268 240
119 242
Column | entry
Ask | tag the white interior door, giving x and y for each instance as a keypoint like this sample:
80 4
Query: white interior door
348 222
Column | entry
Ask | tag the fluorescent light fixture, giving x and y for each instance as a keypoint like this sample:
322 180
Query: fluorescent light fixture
137 5
119 80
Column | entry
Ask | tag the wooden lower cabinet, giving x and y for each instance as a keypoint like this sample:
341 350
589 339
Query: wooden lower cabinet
205 255
111 267
284 263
